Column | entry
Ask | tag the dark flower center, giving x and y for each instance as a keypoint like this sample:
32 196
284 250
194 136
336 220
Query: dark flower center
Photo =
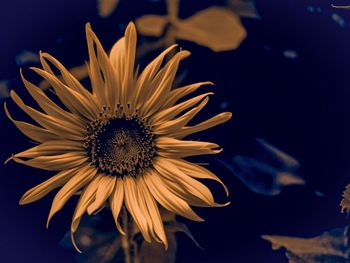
120 145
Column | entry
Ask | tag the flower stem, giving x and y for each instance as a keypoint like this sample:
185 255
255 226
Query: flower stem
126 237
130 247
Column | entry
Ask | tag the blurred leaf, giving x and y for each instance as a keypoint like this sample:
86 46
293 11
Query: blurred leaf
175 226
106 7
156 253
26 57
216 28
96 245
244 8
345 202
329 247
173 9
151 25
4 89
281 158
267 171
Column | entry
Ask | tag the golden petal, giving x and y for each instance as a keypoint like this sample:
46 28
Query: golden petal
154 212
95 74
112 86
56 162
144 85
59 127
44 188
197 171
181 92
104 190
49 106
116 202
35 133
82 178
72 99
72 82
162 84
172 112
133 206
52 147
169 171
166 198
214 121
87 197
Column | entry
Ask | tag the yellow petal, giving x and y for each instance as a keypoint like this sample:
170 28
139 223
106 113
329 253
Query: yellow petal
181 92
172 112
86 198
116 202
59 127
169 171
144 86
153 210
197 171
133 206
83 177
162 84
104 190
97 82
56 162
216 120
166 198
35 133
72 82
171 147
49 106
44 188
54 147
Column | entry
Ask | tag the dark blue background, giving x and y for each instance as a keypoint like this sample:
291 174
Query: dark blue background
300 105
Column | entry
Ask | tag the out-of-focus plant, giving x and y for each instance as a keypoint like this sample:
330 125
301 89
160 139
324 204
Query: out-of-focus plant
332 246
106 7
4 89
217 28
266 171
104 246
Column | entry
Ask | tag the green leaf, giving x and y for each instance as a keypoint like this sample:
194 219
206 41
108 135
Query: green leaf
329 247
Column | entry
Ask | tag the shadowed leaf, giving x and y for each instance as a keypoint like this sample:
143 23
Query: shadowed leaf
155 252
345 202
96 246
26 57
267 171
244 8
329 247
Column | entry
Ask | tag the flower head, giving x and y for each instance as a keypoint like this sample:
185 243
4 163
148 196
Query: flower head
122 143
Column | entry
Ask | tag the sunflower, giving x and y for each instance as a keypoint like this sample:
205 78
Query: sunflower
120 144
